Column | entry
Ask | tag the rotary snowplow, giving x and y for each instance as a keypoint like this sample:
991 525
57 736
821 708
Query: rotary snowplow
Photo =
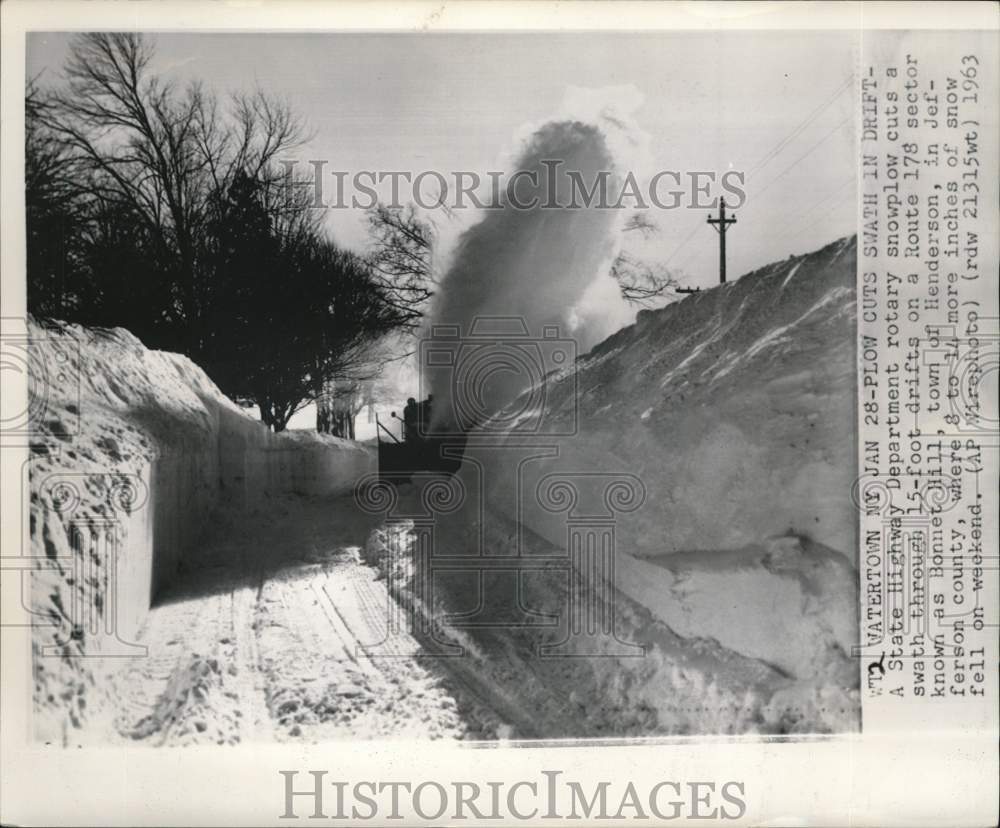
417 448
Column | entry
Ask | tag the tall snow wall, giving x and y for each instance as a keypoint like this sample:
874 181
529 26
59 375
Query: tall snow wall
134 452
734 409
712 445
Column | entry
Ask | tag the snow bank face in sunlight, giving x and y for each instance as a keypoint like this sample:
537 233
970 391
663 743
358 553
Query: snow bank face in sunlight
735 406
149 448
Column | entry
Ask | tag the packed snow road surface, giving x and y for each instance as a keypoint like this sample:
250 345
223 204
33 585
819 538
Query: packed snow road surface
264 640
271 637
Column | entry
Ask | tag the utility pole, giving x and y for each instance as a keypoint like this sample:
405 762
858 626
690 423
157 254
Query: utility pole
721 224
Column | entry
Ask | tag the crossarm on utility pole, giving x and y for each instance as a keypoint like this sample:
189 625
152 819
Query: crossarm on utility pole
721 224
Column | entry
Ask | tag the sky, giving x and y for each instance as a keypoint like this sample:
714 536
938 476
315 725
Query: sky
777 105
459 101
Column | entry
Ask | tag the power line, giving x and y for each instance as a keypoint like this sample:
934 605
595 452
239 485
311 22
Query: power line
799 231
804 155
821 216
829 196
774 151
777 150
817 205
681 246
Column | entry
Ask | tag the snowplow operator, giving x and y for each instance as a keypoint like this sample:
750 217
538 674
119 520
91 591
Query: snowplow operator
416 419
410 415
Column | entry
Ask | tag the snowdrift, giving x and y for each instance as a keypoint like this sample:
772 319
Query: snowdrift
696 675
731 417
735 407
133 454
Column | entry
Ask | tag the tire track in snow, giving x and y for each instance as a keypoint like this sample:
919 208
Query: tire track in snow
264 639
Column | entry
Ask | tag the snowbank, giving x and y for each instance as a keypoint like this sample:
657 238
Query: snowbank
735 408
717 436
693 678
788 602
133 453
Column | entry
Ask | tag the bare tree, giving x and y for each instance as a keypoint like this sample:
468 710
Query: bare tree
54 210
339 405
296 318
642 283
641 222
194 236
161 151
402 256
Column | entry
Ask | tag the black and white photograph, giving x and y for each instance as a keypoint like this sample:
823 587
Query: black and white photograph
500 388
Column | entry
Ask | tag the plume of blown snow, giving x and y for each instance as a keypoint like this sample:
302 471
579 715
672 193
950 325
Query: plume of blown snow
541 268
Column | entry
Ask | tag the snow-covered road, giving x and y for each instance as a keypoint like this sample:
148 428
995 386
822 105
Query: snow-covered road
264 639
260 641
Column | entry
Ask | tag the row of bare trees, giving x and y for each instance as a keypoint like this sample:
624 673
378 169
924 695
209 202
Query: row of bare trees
166 210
